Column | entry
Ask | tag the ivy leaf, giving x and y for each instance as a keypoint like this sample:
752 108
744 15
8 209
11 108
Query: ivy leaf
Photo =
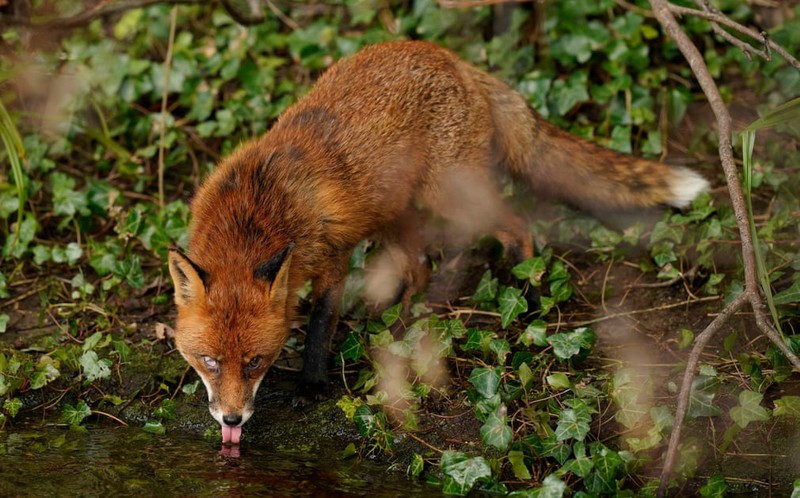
558 380
552 487
501 348
606 464
487 288
701 399
749 409
525 375
462 472
531 270
154 427
535 333
787 406
788 296
478 340
511 304
365 421
565 345
352 349
485 380
581 465
74 415
716 487
12 406
166 411
496 431
391 315
517 460
94 368
571 426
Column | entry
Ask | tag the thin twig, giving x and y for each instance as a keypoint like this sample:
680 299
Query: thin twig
720 18
700 343
624 314
466 4
88 15
98 11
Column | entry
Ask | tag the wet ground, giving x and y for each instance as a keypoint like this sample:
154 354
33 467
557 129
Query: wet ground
107 460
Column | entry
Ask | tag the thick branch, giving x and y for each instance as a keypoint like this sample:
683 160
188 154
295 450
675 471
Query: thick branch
663 12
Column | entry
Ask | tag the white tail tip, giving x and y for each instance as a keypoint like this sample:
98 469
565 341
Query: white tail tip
685 186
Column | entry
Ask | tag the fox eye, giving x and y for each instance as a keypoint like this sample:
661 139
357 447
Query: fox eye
211 364
254 363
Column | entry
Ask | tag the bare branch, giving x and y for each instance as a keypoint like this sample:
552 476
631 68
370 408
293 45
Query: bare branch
465 4
104 10
88 15
717 18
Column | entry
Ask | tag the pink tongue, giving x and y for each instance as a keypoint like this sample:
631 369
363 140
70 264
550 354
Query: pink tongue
231 434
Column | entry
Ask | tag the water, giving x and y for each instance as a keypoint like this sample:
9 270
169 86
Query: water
49 460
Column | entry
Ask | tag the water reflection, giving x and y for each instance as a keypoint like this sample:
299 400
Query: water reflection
119 461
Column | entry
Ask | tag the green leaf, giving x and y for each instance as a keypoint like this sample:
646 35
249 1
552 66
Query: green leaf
4 318
558 380
485 380
166 411
487 288
391 315
787 406
531 270
525 375
701 399
92 341
535 333
12 406
462 472
501 348
352 349
716 487
749 409
365 421
581 465
517 460
607 464
93 367
74 415
552 487
687 338
565 345
788 296
571 426
416 466
154 427
496 431
511 304
478 340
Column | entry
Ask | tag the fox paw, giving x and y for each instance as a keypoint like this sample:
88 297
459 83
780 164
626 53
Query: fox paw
309 392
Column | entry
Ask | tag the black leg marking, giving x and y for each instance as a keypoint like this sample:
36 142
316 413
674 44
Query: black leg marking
314 382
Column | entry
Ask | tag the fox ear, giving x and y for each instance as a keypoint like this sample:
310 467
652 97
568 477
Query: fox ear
276 272
189 279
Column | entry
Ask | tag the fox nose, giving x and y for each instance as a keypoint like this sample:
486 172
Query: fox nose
232 419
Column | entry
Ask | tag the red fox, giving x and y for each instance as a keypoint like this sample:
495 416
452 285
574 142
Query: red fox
395 127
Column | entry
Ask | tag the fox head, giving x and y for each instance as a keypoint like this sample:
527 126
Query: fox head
231 328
